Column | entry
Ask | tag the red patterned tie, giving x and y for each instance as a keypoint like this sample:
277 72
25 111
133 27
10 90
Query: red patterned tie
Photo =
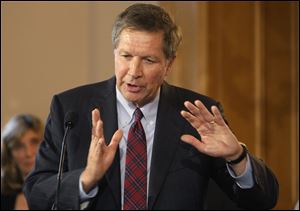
135 185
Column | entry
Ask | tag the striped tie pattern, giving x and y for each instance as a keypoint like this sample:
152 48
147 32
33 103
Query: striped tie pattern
135 185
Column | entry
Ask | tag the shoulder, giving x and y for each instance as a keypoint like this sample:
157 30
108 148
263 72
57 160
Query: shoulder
182 94
83 98
88 90
86 94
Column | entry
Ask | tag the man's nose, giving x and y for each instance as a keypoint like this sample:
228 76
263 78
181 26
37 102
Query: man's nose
135 69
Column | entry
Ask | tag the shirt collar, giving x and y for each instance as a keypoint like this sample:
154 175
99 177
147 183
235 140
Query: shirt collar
149 110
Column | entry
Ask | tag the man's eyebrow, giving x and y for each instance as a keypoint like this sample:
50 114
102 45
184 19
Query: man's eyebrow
150 57
121 51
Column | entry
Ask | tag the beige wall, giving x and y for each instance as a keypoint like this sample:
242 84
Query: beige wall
48 47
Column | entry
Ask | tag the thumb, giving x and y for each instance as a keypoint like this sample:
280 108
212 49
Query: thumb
115 140
194 142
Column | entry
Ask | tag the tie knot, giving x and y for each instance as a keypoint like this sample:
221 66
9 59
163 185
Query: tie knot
138 115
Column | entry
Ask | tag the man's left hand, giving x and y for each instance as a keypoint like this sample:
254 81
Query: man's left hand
217 140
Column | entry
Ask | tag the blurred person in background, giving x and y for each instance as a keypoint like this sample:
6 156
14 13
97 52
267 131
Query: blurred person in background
20 140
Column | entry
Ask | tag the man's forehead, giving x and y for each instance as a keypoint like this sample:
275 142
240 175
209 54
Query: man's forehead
141 40
138 34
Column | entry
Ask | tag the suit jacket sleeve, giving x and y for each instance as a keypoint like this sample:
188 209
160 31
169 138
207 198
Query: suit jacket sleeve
40 186
262 195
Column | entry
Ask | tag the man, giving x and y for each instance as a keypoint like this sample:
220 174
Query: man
139 143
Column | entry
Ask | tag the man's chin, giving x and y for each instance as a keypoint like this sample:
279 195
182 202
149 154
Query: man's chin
132 99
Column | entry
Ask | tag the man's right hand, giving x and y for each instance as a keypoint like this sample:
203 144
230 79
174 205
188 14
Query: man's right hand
100 155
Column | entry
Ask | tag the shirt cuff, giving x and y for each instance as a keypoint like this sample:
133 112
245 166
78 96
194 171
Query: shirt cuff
83 196
245 180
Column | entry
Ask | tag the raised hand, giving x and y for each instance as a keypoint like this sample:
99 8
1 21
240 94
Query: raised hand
100 155
217 139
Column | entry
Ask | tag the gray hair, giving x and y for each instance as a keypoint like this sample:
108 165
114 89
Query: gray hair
151 18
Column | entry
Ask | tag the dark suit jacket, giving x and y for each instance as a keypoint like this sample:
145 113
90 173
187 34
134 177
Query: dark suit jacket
179 173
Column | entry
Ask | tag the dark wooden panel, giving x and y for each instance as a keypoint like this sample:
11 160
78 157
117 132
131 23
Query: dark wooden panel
251 61
231 64
279 96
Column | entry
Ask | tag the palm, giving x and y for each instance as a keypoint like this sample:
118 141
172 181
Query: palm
101 155
217 140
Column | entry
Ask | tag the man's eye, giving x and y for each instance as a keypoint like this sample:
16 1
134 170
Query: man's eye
150 61
126 56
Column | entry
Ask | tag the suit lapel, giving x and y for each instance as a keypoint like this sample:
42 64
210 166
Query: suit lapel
167 135
108 113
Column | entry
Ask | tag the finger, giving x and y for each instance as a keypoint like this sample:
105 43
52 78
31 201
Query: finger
218 116
204 112
191 119
99 129
100 145
194 142
101 141
115 140
93 143
95 117
193 109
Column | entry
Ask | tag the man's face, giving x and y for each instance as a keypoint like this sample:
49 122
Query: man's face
140 65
